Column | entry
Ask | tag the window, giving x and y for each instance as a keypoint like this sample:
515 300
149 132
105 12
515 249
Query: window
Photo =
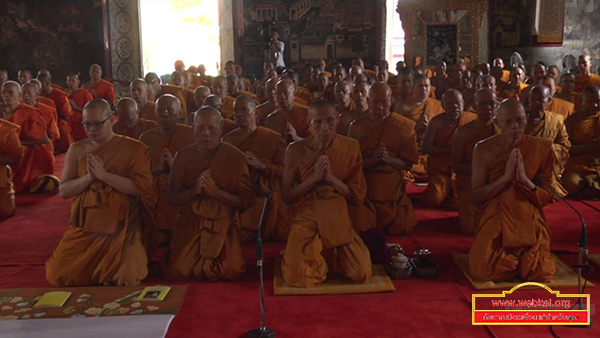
394 44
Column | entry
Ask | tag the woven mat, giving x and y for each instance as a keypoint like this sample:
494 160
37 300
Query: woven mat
337 285
97 301
564 277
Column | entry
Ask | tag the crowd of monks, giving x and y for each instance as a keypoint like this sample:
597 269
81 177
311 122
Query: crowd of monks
323 158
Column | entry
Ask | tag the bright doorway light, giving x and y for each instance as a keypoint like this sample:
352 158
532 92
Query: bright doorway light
394 44
186 30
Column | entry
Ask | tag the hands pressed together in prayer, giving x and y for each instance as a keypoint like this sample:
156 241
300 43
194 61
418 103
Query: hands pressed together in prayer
254 162
291 131
515 170
165 164
322 170
95 167
383 154
205 185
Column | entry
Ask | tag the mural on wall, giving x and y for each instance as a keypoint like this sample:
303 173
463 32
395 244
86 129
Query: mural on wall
62 36
582 30
311 29
441 44
510 25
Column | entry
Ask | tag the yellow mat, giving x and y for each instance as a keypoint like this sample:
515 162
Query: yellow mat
379 282
594 258
564 277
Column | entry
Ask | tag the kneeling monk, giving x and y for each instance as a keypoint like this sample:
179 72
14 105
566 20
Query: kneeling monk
512 237
322 176
12 152
110 181
210 180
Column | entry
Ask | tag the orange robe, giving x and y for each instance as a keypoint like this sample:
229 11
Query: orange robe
581 130
81 97
512 237
466 208
141 127
178 93
10 146
59 88
562 107
148 112
386 187
552 128
158 142
227 107
504 92
264 110
38 160
206 242
304 94
439 167
249 94
581 83
505 75
321 225
49 114
269 147
104 90
64 111
298 118
104 242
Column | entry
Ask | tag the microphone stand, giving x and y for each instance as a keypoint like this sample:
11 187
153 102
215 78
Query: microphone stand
262 331
582 244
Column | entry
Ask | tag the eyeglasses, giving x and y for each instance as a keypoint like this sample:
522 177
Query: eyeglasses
88 125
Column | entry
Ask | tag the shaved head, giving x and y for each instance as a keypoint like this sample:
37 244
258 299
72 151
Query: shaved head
200 93
44 78
30 93
24 76
127 112
510 107
453 103
213 101
100 105
127 102
380 100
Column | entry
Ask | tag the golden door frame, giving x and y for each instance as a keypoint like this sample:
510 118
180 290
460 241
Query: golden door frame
467 15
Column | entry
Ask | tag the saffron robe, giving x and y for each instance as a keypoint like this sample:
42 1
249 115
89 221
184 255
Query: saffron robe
321 225
512 237
298 118
81 97
103 90
103 245
178 93
562 107
386 187
38 160
206 242
148 112
581 130
10 146
64 111
49 115
552 128
581 83
268 147
466 207
439 167
141 127
227 107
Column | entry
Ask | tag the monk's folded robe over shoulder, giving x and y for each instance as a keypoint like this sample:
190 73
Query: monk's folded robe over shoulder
206 242
513 238
386 187
322 237
268 147
10 147
104 244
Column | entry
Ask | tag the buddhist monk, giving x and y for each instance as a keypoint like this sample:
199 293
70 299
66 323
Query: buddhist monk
140 92
438 145
585 78
581 176
11 152
440 80
265 150
100 88
538 71
108 176
210 181
567 85
321 178
463 144
214 101
129 123
78 98
34 173
546 124
389 147
360 95
554 73
30 96
200 95
219 88
404 83
54 85
64 111
343 100
419 107
164 142
505 74
289 119
154 86
24 75
514 87
43 99
264 109
512 237
175 87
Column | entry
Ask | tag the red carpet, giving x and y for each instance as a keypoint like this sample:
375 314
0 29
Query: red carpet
419 308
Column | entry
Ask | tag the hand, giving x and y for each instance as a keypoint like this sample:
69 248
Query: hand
90 173
96 166
167 159
422 123
291 131
255 163
384 154
320 169
520 172
327 175
208 185
511 166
